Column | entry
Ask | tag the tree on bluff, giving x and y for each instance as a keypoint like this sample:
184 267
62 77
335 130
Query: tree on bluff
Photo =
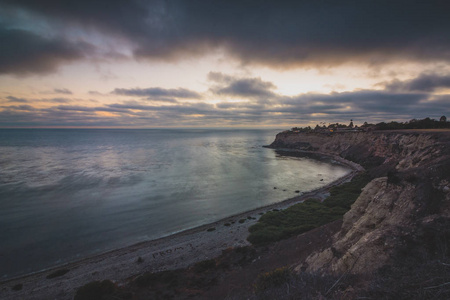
426 123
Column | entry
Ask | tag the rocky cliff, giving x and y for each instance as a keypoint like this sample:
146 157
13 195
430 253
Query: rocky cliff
405 209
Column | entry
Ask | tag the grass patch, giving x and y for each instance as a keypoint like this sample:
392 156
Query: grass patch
284 284
302 217
205 265
96 290
346 194
272 279
411 280
168 278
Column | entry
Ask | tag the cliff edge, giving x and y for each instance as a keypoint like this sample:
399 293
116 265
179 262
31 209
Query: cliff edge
403 212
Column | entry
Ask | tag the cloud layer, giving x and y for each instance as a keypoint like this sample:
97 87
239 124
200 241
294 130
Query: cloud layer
39 37
252 101
23 52
157 93
280 34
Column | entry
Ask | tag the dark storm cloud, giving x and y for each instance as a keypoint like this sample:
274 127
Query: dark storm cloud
63 91
365 99
16 100
23 52
159 93
185 109
56 100
20 108
361 106
436 106
275 33
79 108
241 87
94 93
306 32
12 99
49 117
115 16
75 108
423 83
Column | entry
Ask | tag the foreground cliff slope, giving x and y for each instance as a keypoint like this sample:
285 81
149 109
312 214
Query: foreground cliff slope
403 212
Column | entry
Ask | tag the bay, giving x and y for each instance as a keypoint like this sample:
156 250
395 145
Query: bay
69 193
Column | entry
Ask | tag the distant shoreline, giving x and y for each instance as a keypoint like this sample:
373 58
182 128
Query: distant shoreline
177 250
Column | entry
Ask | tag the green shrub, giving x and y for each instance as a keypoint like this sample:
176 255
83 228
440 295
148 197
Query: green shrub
205 265
272 279
302 217
393 177
169 278
297 219
96 290
345 194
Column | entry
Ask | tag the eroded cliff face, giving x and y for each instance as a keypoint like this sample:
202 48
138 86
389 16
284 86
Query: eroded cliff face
404 211
406 150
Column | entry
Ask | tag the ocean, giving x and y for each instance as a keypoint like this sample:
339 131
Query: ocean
66 194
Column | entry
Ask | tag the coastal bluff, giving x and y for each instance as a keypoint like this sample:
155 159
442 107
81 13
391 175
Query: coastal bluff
393 243
404 212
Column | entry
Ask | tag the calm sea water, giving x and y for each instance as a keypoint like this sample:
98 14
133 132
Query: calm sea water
66 194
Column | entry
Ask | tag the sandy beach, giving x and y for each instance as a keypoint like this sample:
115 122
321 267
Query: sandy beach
172 252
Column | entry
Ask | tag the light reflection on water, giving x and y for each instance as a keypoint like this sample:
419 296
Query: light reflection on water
65 194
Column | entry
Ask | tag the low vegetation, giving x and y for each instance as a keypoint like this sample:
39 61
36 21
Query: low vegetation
205 265
168 278
345 194
407 278
428 279
272 279
96 290
302 217
426 123
282 283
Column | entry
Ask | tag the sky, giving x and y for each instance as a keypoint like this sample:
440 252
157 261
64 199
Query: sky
190 63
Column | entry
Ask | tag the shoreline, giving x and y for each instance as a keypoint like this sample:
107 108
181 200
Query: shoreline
178 250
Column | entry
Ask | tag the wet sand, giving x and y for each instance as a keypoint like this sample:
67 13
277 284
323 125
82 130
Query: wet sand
172 252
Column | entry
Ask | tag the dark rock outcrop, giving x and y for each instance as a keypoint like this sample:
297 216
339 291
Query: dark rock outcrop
400 211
